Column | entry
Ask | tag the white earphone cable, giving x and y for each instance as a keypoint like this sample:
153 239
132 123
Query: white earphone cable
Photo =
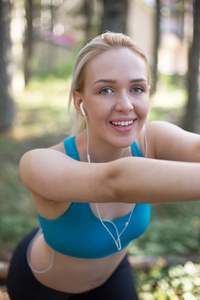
118 241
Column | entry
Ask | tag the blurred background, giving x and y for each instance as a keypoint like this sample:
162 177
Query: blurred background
39 41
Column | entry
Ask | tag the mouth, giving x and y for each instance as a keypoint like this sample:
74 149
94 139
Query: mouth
122 123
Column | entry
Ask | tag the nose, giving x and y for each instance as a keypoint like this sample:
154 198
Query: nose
124 103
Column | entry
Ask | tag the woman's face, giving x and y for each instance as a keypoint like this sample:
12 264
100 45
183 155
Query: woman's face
116 96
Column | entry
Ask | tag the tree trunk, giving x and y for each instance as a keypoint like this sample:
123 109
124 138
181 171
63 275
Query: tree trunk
114 16
156 47
190 121
87 12
7 110
28 44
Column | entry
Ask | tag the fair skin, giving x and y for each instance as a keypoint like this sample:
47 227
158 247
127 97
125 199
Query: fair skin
117 93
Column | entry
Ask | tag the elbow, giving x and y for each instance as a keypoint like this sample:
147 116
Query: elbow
25 169
115 190
116 186
196 154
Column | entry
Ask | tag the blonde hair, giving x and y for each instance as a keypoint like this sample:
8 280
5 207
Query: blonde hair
96 46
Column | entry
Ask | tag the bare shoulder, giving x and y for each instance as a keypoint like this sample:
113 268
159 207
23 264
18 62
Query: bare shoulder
170 142
157 126
59 147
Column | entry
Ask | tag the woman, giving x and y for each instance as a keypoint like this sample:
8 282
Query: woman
93 201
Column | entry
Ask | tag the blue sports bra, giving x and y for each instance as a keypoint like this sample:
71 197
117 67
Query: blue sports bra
79 233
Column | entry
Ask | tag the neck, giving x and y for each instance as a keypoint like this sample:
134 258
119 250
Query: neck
99 150
103 152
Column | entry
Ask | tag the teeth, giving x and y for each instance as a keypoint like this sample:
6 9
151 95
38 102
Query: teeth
122 123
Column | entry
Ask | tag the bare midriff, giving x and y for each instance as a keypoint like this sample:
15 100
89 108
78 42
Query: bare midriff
70 274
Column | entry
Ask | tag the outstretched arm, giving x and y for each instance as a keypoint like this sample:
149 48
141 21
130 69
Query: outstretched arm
157 181
57 177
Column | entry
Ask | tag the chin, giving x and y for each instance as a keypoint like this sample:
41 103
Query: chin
123 142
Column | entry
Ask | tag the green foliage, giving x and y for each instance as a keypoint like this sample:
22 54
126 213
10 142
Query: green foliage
59 70
174 229
173 283
172 82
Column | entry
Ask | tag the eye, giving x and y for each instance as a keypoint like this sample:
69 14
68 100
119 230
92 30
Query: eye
106 91
137 89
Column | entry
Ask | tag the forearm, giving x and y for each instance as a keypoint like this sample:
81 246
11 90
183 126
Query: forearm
156 181
57 177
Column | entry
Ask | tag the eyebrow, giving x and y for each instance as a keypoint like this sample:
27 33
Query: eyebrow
115 81
138 80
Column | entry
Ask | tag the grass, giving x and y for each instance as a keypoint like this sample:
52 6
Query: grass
41 121
173 283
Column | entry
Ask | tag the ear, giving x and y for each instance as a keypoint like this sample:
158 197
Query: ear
78 99
149 89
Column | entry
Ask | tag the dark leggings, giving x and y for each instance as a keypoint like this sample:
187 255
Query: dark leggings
22 285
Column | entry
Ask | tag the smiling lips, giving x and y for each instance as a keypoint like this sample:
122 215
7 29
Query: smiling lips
122 123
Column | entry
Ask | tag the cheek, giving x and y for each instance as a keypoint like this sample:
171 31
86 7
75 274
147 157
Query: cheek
143 109
147 108
96 116
100 111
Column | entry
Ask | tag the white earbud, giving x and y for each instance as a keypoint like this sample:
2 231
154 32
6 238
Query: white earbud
82 110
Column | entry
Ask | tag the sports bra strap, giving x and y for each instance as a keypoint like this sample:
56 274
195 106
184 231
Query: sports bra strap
70 148
136 150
